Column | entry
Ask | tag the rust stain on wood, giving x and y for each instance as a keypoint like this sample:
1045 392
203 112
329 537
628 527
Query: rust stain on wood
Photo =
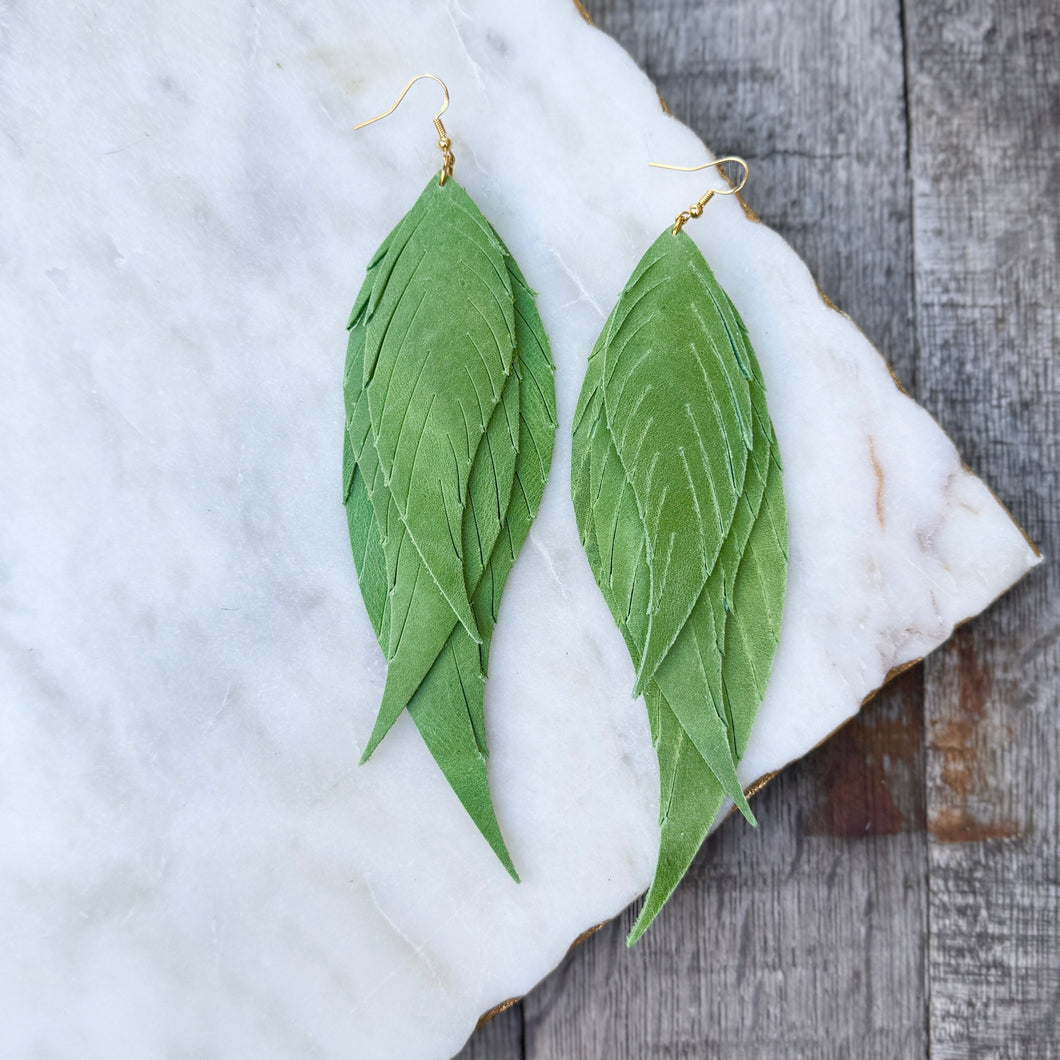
951 825
976 678
964 743
868 773
957 738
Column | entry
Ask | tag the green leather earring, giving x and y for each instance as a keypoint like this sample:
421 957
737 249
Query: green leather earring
450 420
676 482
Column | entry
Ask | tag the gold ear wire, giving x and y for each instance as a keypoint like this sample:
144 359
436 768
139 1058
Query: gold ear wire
697 207
444 143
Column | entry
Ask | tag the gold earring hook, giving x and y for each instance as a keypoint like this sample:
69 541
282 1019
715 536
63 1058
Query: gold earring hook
697 207
444 143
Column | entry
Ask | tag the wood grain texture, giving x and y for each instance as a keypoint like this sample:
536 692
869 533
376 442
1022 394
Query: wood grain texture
901 897
984 91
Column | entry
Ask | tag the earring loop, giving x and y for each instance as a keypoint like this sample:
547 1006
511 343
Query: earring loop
696 209
444 143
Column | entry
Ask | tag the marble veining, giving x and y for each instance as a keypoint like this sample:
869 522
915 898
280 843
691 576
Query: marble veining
191 861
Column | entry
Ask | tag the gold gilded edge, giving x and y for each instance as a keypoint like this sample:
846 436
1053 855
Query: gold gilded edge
585 14
504 1005
756 786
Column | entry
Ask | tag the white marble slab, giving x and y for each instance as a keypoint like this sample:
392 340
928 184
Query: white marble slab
191 861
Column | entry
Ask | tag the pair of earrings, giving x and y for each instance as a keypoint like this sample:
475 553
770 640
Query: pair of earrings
676 484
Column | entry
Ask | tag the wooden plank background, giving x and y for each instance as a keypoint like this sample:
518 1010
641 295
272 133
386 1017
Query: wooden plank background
902 895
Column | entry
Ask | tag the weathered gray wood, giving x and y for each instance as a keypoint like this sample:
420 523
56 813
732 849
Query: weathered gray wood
985 112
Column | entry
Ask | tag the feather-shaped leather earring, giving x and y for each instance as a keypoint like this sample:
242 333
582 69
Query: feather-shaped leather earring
450 419
676 481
